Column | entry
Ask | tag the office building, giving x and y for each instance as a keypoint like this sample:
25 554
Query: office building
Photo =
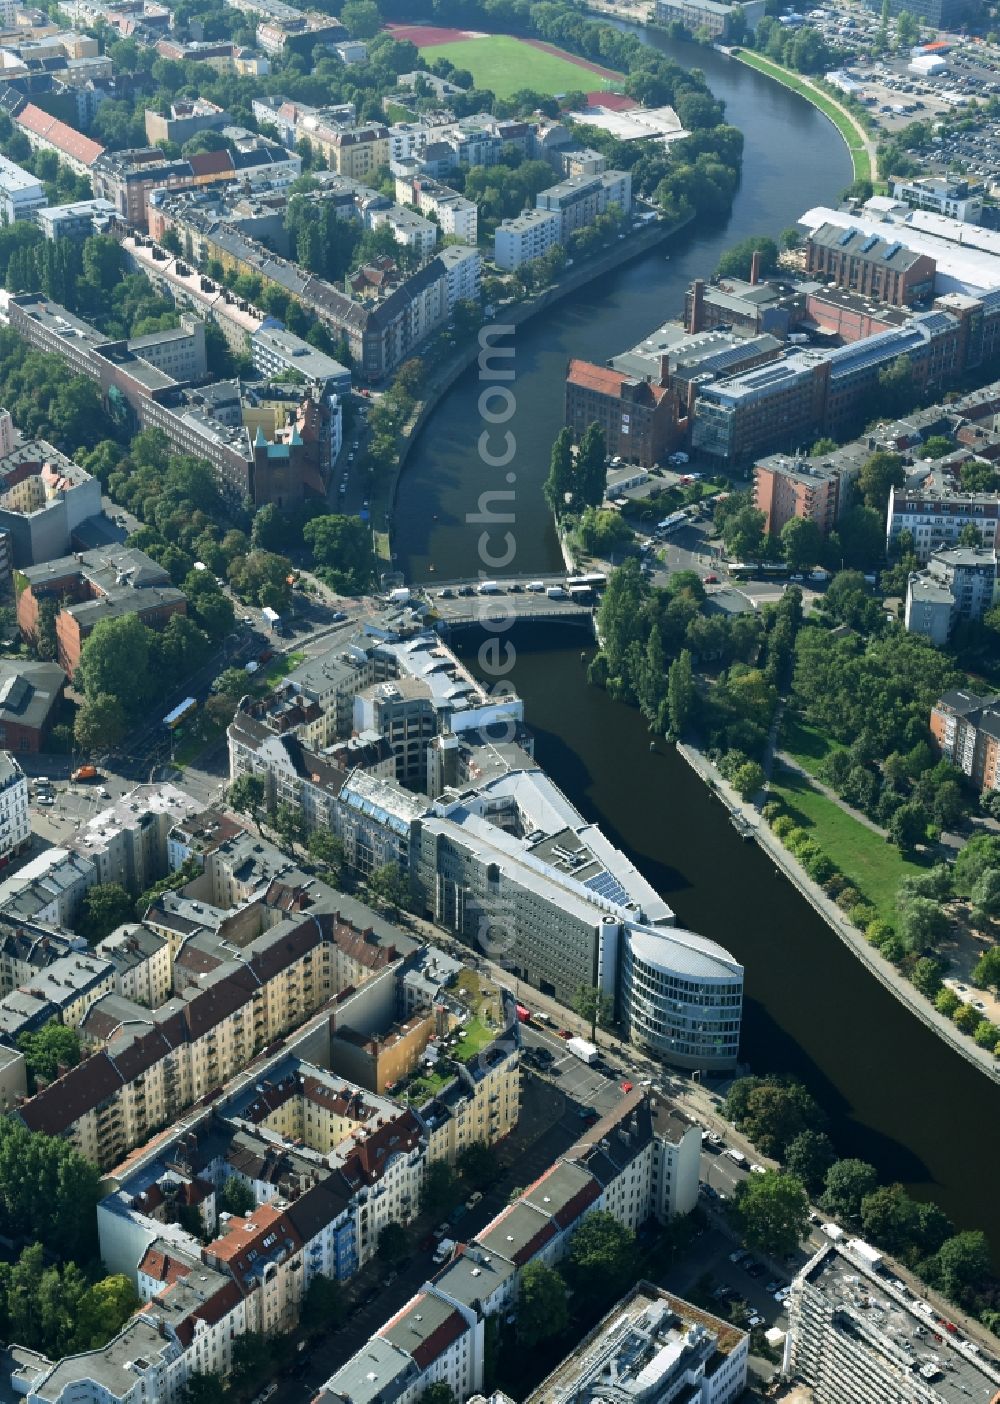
652 1346
91 586
933 14
529 235
20 192
858 1333
639 417
30 700
957 584
943 195
711 17
15 818
882 269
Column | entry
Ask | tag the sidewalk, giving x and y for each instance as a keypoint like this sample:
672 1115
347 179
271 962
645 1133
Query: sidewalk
790 763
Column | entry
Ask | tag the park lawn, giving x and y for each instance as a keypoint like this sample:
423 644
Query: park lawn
805 744
505 64
280 666
848 128
873 866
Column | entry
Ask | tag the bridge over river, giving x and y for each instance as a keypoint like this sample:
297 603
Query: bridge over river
461 604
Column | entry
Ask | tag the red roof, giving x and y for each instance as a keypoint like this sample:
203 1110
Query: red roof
161 1267
604 380
64 138
205 163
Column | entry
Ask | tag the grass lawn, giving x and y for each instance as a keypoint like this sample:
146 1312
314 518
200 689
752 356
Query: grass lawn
475 1037
873 866
280 667
505 64
849 129
805 744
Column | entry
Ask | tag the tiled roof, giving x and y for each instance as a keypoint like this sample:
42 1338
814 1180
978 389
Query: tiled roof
605 381
59 135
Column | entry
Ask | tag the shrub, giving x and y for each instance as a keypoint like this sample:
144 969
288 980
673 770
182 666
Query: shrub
946 1002
967 1018
819 867
772 810
834 886
795 838
863 914
987 1035
848 899
893 949
878 932
783 826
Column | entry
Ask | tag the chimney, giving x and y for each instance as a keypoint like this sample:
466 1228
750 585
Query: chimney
664 371
697 301
755 268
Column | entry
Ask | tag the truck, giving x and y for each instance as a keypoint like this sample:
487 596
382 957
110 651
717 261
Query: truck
444 1250
736 1155
489 587
84 772
270 616
523 1013
582 1049
400 596
556 592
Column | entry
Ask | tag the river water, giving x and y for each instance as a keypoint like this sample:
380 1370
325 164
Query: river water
895 1094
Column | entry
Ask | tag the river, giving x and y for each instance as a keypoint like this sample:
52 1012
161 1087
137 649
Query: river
895 1094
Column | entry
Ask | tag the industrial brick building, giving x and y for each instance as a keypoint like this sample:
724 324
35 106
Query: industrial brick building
882 269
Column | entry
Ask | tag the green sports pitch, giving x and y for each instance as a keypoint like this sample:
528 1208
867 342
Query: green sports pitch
505 65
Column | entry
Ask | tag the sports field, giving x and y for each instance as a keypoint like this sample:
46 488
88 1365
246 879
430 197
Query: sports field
505 64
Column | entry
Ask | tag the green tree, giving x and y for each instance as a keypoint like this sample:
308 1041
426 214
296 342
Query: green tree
232 682
246 793
325 846
908 826
681 693
801 543
879 474
926 976
809 1156
907 30
440 1188
45 1049
771 1114
393 1244
986 971
542 1308
114 661
848 1183
323 1307
601 1261
477 1164
439 1393
342 549
203 1387
748 778
962 1266
389 887
937 446
592 1004
106 906
251 1359
985 895
103 1311
236 1197
772 1211
559 482
361 18
743 534
100 723
737 261
590 469
921 924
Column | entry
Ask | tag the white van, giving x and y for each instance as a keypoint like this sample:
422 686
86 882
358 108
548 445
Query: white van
537 586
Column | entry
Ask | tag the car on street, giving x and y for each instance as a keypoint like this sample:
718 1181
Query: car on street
711 580
626 1086
337 617
564 1033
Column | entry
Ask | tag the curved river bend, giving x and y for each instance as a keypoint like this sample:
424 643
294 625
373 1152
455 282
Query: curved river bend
895 1094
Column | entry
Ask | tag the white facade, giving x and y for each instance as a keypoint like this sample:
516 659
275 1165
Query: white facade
935 519
529 236
15 817
463 267
407 139
20 192
410 230
942 196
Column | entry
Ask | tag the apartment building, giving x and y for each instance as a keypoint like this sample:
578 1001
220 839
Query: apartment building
456 216
819 489
463 267
275 349
49 889
957 584
44 499
965 730
935 515
639 416
184 120
711 17
76 220
882 269
942 195
856 1332
578 200
91 586
46 133
20 192
143 963
410 230
358 151
15 817
127 840
529 235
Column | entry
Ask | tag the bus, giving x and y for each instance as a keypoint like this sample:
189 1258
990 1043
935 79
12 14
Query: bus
671 523
596 580
741 570
774 568
180 714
